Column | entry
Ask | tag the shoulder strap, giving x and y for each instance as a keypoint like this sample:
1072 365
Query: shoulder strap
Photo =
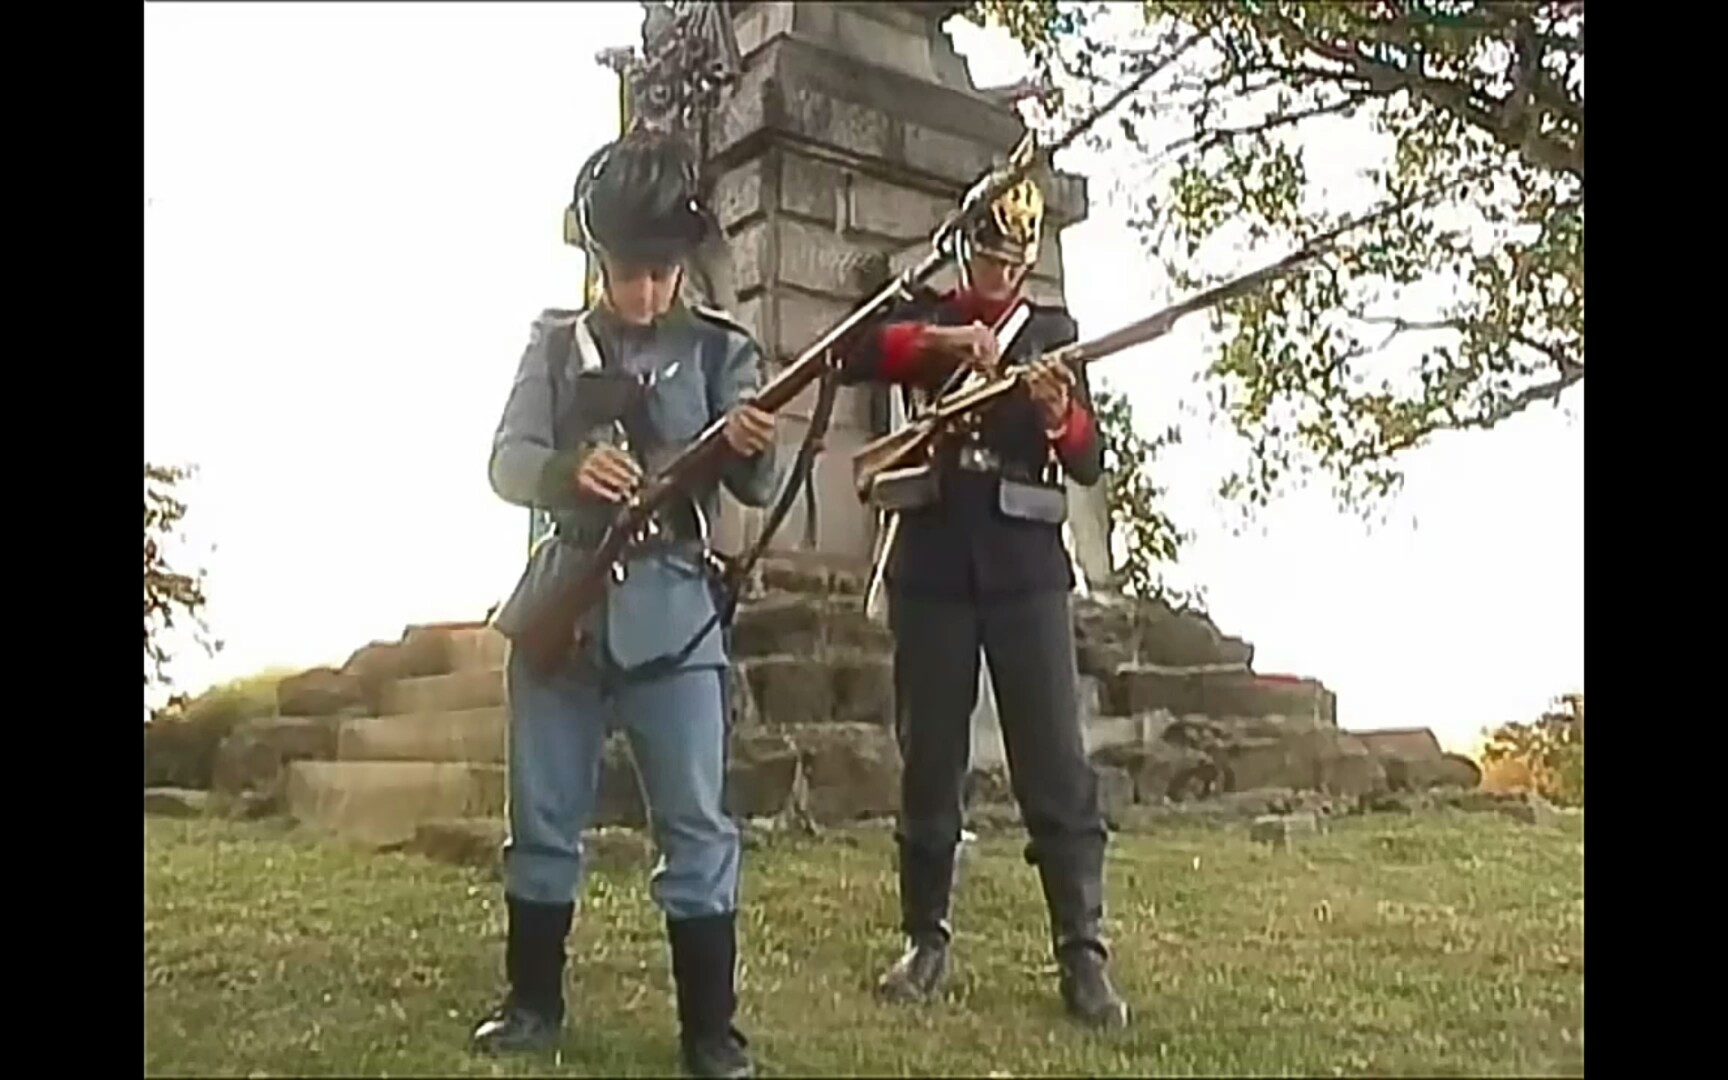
720 317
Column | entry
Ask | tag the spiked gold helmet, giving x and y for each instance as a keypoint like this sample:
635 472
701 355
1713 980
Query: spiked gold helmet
1013 227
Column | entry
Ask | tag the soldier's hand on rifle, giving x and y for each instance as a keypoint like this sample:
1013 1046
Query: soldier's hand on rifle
608 473
1051 384
973 346
749 430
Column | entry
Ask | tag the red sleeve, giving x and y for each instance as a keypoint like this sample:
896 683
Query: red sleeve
899 343
1076 431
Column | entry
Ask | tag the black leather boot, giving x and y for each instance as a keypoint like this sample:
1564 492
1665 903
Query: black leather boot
531 1018
704 963
926 886
1073 881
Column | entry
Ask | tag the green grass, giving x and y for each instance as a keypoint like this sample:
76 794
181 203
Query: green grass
1433 945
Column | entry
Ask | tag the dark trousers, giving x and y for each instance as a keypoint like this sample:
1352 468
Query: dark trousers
1028 640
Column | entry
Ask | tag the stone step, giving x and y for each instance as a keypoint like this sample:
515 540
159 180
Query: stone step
476 688
465 646
381 803
473 735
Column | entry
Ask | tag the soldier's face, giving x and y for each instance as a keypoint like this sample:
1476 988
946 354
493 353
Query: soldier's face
640 294
994 279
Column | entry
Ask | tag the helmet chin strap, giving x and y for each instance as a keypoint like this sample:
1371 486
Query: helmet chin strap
607 302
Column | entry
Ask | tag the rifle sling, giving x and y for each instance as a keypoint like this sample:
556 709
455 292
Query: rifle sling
731 576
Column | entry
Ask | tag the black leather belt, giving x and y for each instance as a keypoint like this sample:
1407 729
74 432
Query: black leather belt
588 539
976 458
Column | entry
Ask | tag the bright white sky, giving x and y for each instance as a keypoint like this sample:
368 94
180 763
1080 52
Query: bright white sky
352 214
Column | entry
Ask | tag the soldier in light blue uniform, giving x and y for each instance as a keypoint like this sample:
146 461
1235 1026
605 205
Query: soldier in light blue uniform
601 399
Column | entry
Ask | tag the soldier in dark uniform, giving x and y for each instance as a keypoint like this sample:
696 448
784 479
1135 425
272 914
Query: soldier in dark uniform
649 659
980 562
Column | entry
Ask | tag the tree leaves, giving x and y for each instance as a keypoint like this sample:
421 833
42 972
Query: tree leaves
1143 539
1550 751
1456 315
170 595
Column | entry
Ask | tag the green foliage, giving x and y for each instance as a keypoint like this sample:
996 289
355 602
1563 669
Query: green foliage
1549 753
171 596
1143 539
1493 92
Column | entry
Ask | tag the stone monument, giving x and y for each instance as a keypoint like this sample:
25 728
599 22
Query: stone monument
836 137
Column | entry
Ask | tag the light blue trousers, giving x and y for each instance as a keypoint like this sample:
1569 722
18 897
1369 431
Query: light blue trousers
676 726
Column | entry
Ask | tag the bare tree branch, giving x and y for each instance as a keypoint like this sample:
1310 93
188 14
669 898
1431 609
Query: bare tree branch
1524 138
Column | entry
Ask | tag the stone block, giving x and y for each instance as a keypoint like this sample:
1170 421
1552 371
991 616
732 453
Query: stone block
320 691
846 627
851 772
847 200
988 786
791 691
462 735
745 110
1276 830
176 802
1133 689
1169 638
789 575
799 320
1115 793
826 120
740 196
1347 767
251 763
1104 732
472 689
383 802
1262 763
786 624
1173 773
820 260
1104 638
951 157
760 23
753 271
864 690
813 189
1245 694
762 775
870 33
470 648
740 702
1456 770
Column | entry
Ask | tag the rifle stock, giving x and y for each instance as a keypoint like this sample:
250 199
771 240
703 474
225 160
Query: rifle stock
907 445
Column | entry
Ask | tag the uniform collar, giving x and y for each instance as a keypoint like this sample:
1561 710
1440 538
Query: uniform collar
970 306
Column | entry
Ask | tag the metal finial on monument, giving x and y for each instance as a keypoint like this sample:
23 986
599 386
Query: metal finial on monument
675 82
687 60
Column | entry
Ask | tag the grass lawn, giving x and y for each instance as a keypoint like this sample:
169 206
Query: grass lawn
1442 945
